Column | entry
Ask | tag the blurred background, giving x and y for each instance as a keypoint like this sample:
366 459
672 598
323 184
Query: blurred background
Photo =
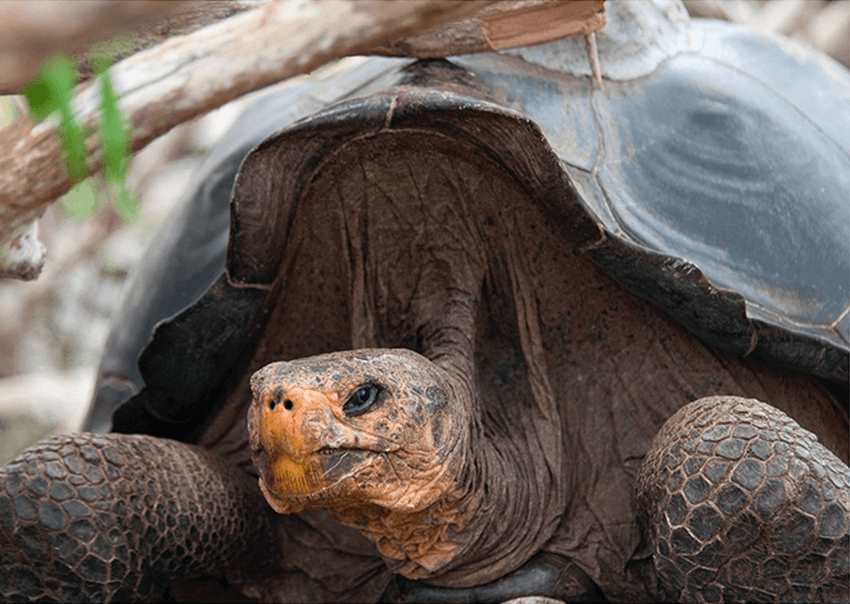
52 330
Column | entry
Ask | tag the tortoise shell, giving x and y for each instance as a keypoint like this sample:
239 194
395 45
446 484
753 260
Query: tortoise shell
703 177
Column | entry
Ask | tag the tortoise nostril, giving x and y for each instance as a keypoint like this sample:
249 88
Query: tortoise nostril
275 398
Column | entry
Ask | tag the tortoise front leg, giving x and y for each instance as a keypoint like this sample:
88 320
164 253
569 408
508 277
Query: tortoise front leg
118 517
742 504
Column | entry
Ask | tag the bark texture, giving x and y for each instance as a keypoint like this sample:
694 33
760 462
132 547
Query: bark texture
190 75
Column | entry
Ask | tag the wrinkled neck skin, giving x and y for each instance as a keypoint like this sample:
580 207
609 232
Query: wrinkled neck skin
464 528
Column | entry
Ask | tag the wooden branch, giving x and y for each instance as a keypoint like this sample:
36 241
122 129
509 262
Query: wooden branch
503 25
189 75
31 32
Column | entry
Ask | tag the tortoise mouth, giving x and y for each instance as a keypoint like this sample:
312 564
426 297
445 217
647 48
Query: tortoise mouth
326 450
339 468
341 463
323 471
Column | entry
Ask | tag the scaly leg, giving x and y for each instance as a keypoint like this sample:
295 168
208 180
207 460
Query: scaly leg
118 517
742 504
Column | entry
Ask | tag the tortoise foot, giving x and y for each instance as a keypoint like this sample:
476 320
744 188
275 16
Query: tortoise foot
742 504
118 517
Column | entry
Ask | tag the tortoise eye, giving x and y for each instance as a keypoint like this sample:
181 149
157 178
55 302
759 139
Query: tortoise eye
361 400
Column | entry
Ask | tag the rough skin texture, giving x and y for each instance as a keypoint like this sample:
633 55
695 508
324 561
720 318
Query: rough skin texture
391 470
742 504
116 517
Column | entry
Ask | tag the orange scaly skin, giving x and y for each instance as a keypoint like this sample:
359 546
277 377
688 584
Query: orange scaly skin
386 472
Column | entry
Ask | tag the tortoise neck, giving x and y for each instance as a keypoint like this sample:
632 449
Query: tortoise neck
448 340
503 518
418 545
490 485
484 526
502 500
489 520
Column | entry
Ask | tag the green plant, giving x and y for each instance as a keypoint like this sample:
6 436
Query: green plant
51 91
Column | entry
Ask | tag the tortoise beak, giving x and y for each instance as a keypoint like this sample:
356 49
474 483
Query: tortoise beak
290 422
304 446
288 419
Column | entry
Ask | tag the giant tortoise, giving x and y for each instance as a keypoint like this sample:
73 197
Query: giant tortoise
483 329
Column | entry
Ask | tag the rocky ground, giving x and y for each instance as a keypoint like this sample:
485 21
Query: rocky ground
53 330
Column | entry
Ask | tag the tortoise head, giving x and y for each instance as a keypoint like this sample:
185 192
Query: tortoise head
345 430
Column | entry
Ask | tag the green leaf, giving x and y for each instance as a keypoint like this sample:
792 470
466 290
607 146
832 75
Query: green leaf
82 201
125 202
113 133
74 152
51 91
114 138
46 92
39 99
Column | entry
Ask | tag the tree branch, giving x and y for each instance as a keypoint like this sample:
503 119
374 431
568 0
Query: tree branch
31 32
186 76
503 25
